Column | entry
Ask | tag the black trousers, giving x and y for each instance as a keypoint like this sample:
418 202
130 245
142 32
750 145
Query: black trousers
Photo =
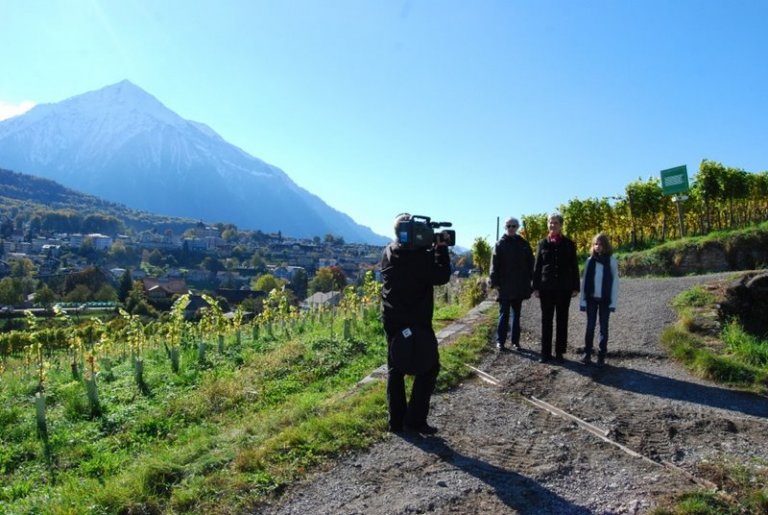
554 304
415 411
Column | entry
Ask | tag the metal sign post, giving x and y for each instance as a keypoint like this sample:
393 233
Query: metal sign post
679 199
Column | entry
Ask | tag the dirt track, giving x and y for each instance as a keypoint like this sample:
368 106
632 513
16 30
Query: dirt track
498 452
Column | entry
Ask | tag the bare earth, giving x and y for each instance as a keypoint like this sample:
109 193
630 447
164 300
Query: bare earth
498 453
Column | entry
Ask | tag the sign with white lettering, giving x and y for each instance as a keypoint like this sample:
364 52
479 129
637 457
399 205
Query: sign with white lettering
674 180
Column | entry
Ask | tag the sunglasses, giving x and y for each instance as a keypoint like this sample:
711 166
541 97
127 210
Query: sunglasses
511 227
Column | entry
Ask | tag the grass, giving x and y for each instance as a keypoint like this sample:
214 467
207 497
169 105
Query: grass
737 359
218 437
742 488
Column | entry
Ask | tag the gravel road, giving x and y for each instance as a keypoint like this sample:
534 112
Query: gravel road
504 448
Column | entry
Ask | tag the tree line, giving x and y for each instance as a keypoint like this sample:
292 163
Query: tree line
721 197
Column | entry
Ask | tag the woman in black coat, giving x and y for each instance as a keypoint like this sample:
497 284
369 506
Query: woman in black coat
555 282
511 270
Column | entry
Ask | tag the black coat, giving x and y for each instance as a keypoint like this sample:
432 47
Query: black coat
409 277
512 267
557 268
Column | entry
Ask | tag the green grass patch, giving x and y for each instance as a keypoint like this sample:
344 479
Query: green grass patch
741 488
219 436
697 296
744 346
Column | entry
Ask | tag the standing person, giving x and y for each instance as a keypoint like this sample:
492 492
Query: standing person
409 275
511 271
555 282
599 294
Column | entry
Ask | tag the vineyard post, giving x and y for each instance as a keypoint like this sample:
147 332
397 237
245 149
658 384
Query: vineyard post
633 233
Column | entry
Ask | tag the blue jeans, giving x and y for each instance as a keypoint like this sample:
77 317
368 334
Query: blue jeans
597 307
505 306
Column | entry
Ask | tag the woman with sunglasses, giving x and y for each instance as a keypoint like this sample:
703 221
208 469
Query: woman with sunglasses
511 270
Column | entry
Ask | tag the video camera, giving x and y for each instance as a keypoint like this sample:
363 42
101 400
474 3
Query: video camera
417 233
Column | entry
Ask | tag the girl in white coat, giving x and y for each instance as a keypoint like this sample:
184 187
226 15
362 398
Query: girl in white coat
599 294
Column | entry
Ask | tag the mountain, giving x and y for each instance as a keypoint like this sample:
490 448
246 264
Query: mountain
121 144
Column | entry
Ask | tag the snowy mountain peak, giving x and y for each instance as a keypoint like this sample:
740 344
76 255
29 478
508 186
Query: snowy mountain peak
122 144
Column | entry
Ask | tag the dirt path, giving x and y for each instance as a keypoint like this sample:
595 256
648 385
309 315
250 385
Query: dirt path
498 452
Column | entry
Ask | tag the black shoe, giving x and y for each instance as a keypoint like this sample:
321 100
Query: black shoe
424 429
517 346
500 347
586 360
559 359
600 361
395 428
545 359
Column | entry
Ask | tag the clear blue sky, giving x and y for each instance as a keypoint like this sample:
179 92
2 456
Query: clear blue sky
461 110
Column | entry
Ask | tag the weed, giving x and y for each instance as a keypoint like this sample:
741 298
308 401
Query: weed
745 346
694 297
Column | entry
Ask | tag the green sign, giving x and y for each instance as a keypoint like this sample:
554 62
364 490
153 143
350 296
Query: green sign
674 180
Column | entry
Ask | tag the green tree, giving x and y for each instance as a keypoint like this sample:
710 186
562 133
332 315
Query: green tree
258 263
126 283
265 283
339 278
92 278
709 187
735 188
10 291
300 283
79 293
23 267
137 304
156 258
6 228
323 281
212 264
534 227
481 255
105 294
44 296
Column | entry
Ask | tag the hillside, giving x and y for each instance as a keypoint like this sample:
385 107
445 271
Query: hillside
720 251
26 194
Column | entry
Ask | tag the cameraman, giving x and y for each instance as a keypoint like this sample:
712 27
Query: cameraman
409 274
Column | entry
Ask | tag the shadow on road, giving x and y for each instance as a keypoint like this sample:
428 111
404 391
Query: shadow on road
660 386
520 493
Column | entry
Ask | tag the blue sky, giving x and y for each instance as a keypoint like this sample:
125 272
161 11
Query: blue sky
461 110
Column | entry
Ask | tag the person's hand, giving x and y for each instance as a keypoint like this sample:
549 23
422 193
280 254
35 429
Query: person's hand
582 308
536 293
444 240
612 310
574 293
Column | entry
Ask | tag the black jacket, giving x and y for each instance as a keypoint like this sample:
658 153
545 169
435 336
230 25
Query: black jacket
409 277
512 267
556 266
